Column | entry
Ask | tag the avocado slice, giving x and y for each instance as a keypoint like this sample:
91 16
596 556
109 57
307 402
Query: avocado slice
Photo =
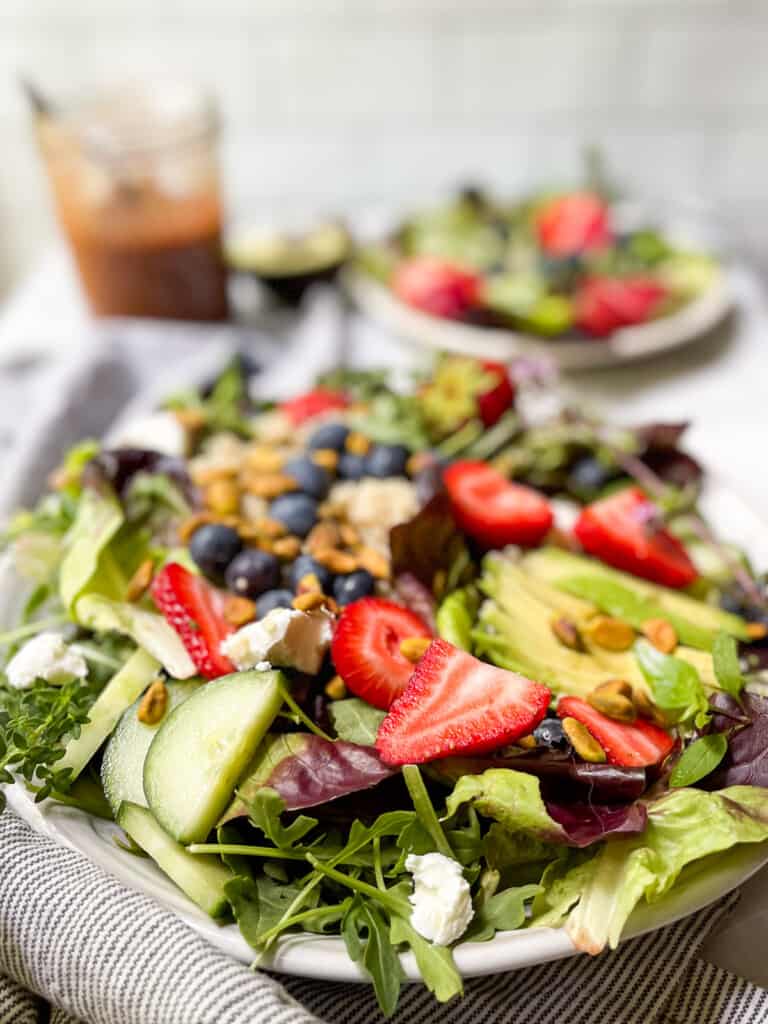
635 600
514 631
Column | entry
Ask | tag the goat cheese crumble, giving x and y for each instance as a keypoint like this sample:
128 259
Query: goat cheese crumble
47 657
159 432
441 900
284 637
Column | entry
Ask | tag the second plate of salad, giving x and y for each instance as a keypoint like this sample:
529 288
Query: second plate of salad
587 281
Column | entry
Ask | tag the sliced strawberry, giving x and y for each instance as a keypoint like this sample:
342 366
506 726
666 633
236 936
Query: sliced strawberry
631 746
313 403
604 304
437 287
493 403
626 530
493 510
366 648
574 223
456 704
193 608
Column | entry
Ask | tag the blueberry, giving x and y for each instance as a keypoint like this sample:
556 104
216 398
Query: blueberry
304 565
311 478
353 586
550 733
588 477
213 547
273 599
297 512
252 572
330 435
351 467
385 460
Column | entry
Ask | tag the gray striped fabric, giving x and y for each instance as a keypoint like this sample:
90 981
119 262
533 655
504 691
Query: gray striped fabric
103 954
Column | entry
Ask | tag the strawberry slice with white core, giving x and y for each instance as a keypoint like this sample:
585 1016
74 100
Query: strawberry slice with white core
494 510
366 649
194 609
313 403
456 704
573 223
638 745
493 403
626 530
437 287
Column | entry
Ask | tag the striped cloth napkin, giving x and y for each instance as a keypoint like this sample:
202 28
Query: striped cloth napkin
73 937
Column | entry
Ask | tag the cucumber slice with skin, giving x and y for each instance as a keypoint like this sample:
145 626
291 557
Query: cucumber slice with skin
122 689
203 747
122 767
202 878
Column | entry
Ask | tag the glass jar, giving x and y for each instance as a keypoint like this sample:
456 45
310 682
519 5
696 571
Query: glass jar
136 184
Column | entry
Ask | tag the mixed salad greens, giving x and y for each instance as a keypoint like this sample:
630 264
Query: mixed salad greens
409 668
557 265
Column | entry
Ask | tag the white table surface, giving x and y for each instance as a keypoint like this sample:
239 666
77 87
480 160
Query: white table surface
719 383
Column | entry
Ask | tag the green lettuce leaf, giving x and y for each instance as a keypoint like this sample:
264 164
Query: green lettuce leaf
512 798
356 721
683 826
148 629
99 517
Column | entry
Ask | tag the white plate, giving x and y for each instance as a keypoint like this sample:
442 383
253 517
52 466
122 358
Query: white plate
326 958
669 332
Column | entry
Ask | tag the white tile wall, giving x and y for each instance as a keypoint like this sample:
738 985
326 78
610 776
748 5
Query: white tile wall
340 103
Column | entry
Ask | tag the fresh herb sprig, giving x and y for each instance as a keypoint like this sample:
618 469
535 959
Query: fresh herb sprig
34 725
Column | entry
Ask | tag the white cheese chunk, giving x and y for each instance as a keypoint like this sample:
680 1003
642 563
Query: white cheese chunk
47 657
441 901
158 432
284 637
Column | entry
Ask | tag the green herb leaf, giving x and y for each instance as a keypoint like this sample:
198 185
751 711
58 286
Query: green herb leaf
264 810
435 963
675 684
725 659
243 896
699 759
504 911
355 721
379 956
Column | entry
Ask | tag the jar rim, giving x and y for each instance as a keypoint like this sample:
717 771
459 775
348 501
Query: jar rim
134 119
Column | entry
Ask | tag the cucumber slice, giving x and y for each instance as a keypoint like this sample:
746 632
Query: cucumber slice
122 767
204 746
202 878
122 689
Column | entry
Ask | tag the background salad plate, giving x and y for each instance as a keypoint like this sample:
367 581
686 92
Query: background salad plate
690 322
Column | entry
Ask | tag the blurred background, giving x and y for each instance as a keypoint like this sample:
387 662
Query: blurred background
336 105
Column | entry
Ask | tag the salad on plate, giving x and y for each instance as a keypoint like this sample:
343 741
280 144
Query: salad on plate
555 265
409 667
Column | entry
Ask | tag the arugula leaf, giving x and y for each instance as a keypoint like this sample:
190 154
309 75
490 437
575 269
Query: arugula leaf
356 721
725 659
264 810
435 963
699 759
376 953
243 895
424 809
502 912
675 684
